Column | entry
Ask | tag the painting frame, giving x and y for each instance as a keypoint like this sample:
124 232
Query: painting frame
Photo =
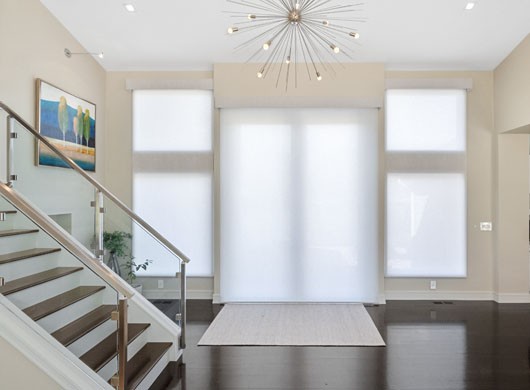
69 123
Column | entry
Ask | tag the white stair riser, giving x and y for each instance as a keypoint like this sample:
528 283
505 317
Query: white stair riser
87 342
33 295
155 372
110 368
63 317
17 243
7 224
20 268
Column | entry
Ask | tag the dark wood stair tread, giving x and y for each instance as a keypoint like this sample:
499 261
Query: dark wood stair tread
21 255
50 306
169 378
36 279
143 362
106 350
16 232
80 327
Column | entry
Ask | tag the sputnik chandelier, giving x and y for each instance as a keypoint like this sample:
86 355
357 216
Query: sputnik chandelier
296 36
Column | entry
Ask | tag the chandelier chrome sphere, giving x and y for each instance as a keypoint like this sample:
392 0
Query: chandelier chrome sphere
296 36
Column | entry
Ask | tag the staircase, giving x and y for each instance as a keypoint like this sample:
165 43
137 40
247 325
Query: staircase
75 306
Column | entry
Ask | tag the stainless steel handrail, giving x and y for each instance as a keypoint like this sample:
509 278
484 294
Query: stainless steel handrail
68 242
97 185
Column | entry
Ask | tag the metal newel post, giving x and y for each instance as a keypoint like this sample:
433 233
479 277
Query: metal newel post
11 136
99 216
118 381
183 305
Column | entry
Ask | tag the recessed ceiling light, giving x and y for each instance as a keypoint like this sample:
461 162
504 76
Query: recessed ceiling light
129 7
470 6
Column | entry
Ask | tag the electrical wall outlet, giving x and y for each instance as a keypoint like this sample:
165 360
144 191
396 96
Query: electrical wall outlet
433 284
160 283
486 226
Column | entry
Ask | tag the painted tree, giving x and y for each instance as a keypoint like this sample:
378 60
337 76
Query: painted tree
79 117
75 127
86 126
62 116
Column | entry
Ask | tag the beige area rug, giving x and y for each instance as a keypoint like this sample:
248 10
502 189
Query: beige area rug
304 324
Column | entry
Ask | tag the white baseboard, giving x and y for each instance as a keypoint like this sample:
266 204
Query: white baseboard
175 294
389 295
200 294
511 298
440 295
458 296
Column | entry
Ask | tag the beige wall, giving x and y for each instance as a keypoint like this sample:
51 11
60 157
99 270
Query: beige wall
480 201
236 85
353 85
512 115
32 44
17 372
118 167
512 89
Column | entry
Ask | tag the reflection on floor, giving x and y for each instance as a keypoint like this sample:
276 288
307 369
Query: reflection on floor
448 346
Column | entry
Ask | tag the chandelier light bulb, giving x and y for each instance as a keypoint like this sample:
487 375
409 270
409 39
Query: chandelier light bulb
325 23
335 49
232 30
260 74
319 77
251 17
297 5
354 35
288 60
100 55
266 45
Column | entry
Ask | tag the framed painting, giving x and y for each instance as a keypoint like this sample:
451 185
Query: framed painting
69 123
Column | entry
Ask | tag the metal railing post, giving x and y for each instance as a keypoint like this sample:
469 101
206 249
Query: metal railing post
99 224
183 305
2 281
118 381
11 136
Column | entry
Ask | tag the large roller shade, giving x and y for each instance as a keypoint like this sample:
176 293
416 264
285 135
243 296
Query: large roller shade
426 183
172 177
299 205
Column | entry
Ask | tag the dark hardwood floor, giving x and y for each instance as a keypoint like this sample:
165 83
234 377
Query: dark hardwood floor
430 346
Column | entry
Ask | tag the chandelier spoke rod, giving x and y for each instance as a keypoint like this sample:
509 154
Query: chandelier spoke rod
253 5
274 54
302 50
307 49
285 3
336 27
352 7
331 10
246 29
258 37
323 36
312 44
306 4
275 6
319 40
259 18
286 56
314 4
295 60
244 15
324 30
324 17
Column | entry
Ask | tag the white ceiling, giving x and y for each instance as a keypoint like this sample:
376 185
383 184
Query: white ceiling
191 35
